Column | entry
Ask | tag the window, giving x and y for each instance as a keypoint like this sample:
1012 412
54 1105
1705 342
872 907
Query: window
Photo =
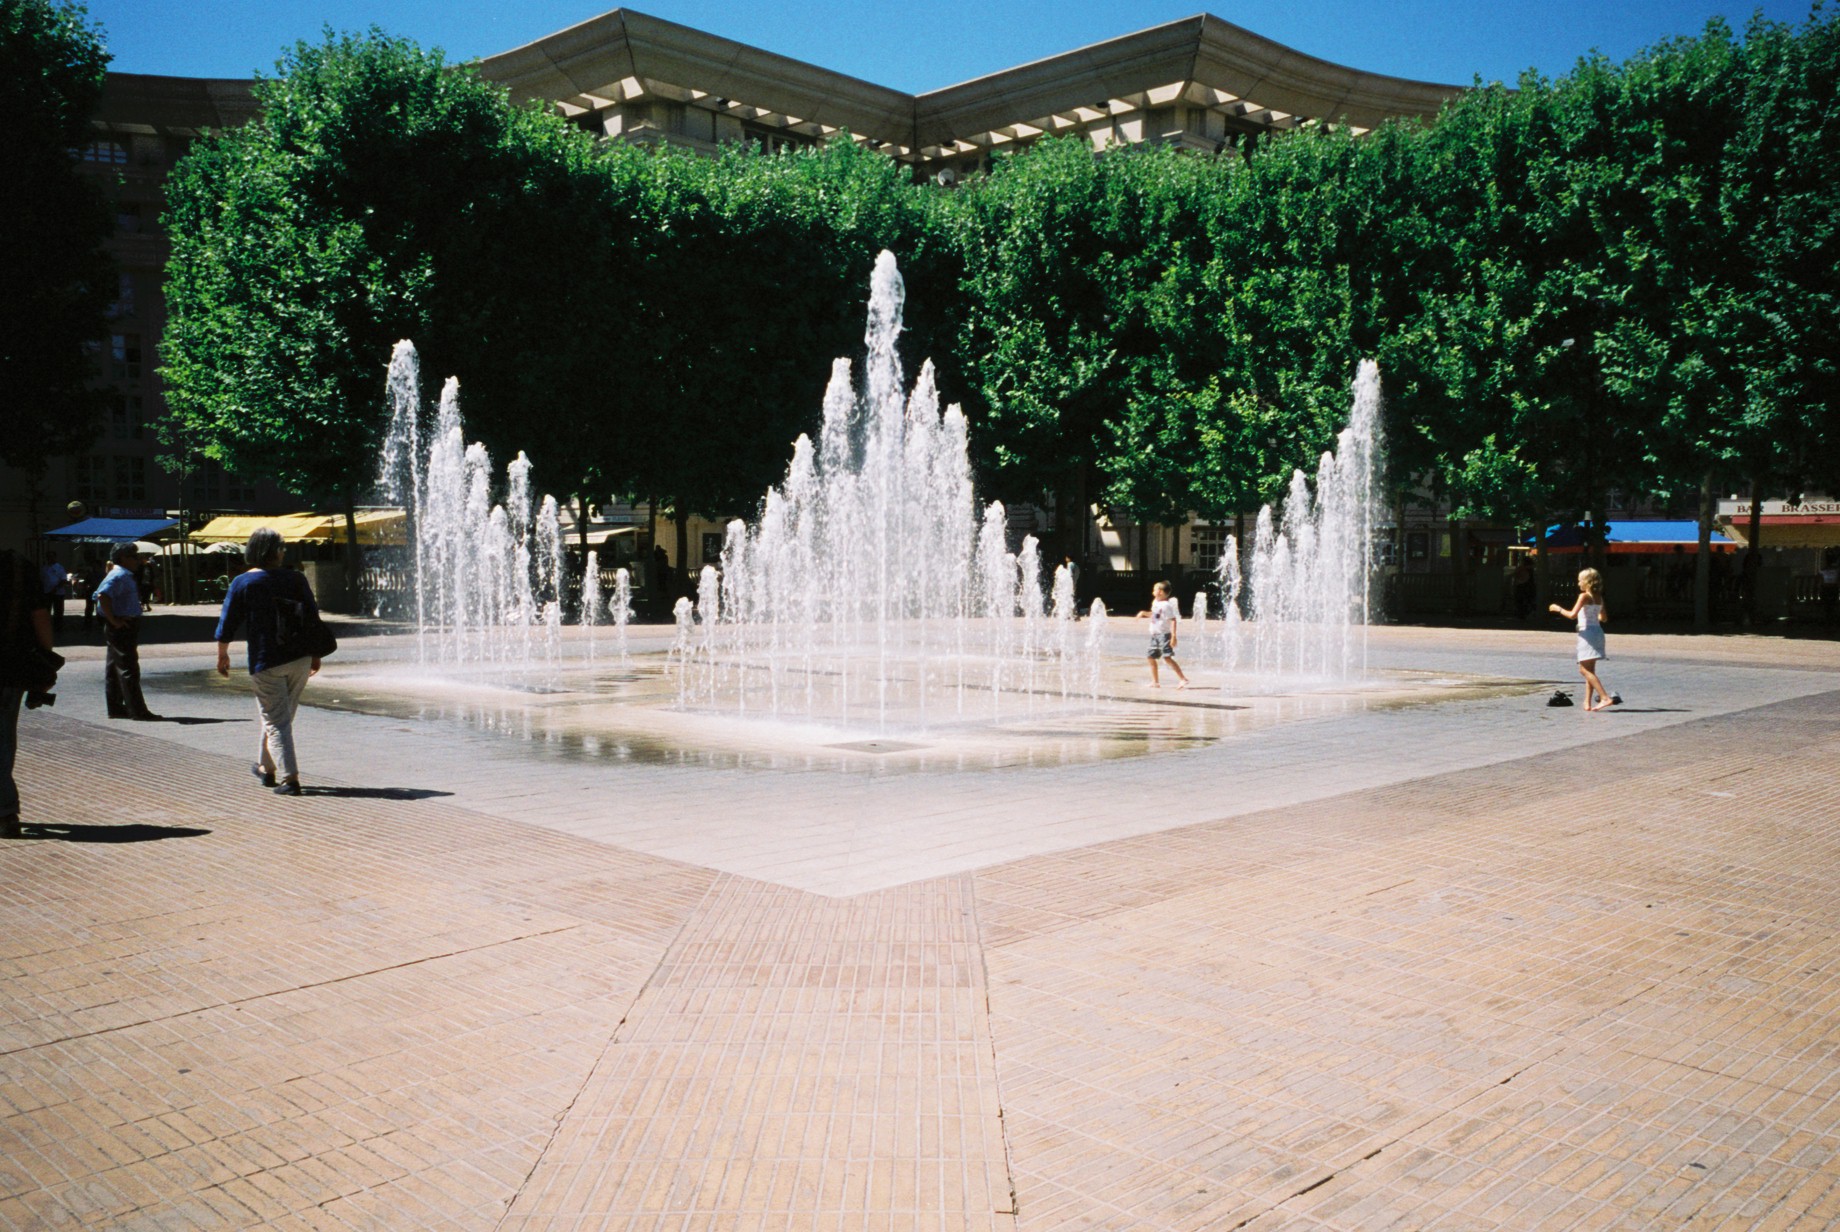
125 357
712 547
207 485
90 480
104 151
213 487
125 417
124 298
1206 543
130 478
127 218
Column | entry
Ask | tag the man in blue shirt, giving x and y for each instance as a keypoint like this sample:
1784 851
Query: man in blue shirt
118 598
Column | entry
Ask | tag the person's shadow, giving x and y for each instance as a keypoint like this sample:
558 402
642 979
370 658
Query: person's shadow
133 832
375 793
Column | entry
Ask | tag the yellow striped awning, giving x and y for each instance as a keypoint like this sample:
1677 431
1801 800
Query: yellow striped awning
375 527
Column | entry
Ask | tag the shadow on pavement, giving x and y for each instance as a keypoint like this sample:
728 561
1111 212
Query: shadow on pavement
186 720
135 832
375 793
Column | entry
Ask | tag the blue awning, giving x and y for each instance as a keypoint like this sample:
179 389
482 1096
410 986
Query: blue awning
112 530
1658 532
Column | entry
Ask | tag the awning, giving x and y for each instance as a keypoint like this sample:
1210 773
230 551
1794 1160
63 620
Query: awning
598 537
375 527
236 528
1791 530
1635 536
112 530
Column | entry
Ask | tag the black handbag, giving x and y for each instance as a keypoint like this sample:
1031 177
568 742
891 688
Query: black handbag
320 641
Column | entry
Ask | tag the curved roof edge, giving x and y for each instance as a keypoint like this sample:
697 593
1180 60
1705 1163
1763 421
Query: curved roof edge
1202 51
625 57
609 59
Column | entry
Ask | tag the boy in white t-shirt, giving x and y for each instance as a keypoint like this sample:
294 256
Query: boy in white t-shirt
1163 615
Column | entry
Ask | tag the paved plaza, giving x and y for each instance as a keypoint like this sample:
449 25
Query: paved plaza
1468 963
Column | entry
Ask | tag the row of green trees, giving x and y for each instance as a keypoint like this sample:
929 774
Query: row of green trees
1625 277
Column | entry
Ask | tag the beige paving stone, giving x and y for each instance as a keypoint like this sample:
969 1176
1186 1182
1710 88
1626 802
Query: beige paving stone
1585 988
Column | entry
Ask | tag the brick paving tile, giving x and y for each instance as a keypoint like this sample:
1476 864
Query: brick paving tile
1584 988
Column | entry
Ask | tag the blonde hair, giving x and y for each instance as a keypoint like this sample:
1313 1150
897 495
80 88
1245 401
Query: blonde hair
1591 582
1159 588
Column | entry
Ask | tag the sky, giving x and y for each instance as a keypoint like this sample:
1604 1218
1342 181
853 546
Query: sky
921 45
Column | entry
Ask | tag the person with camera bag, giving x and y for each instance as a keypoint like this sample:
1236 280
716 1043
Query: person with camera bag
28 667
286 641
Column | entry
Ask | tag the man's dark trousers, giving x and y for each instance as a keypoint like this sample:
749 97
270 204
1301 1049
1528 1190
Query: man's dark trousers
122 675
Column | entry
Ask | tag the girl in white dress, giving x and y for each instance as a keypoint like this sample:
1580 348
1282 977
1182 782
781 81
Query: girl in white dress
1591 617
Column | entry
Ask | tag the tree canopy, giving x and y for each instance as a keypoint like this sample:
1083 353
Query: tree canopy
53 223
1623 277
382 194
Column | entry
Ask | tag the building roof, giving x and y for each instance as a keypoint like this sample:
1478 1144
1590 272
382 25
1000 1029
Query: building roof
1201 60
622 58
625 57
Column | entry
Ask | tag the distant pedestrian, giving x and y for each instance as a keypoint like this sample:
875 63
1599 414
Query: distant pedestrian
1589 612
84 584
1830 586
661 572
119 601
1073 574
56 581
1748 573
1525 588
275 606
1163 616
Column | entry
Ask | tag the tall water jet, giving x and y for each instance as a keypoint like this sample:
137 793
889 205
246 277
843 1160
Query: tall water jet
620 610
871 591
1229 579
486 577
591 597
1312 563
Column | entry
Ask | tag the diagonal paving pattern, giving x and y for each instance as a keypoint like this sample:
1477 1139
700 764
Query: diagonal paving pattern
1457 967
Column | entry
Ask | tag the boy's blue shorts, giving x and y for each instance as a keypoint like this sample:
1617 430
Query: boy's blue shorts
1160 647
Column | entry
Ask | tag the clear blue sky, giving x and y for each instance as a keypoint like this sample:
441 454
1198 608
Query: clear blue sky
922 45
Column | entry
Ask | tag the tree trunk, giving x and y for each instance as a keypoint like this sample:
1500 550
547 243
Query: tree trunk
1755 534
1543 579
1459 564
354 555
1070 515
683 548
1702 561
